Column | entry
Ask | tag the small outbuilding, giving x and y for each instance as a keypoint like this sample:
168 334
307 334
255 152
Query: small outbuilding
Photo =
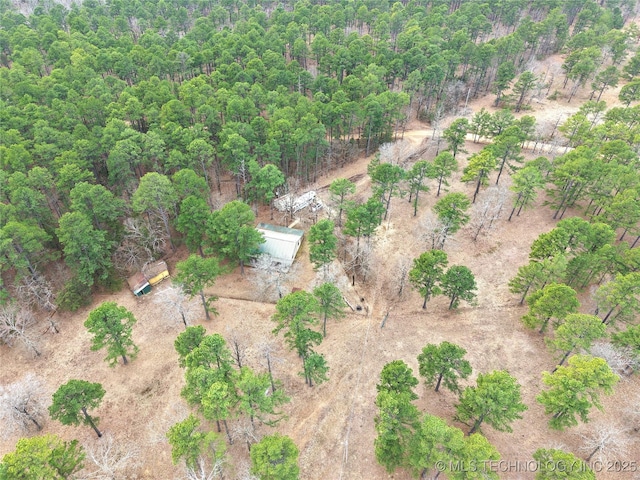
138 284
155 272
151 274
281 243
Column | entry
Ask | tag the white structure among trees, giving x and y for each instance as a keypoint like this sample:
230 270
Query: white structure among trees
281 243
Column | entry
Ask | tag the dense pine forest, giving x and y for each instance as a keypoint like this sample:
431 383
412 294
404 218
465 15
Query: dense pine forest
135 131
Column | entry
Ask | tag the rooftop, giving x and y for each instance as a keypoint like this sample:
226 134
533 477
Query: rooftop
279 229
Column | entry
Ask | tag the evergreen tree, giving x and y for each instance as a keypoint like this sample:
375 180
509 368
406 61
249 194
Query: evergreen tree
156 196
192 221
189 443
255 399
505 74
427 272
456 135
87 251
189 340
420 171
553 465
111 327
194 275
578 331
458 283
275 457
478 170
452 213
264 182
397 378
620 298
231 233
495 400
396 419
386 179
339 190
554 301
525 184
574 389
331 304
444 362
323 244
522 87
42 458
444 165
72 400
434 443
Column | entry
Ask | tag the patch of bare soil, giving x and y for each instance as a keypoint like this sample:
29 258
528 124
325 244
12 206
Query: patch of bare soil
333 423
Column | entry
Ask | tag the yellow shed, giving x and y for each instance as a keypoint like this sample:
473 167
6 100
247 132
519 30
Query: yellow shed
155 272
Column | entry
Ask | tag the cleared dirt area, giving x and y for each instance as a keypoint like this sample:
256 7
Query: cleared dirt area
333 423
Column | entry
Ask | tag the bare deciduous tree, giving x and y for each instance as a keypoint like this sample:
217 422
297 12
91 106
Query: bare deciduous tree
243 472
15 321
238 349
401 274
267 350
206 470
144 240
112 459
174 297
437 116
632 413
36 291
487 211
158 427
361 261
23 406
433 232
606 443
621 360
269 278
397 153
245 431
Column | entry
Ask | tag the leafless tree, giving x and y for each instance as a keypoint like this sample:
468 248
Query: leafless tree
632 413
487 211
621 360
144 240
455 92
397 153
174 298
605 442
269 278
433 232
112 459
245 431
401 274
340 153
36 291
361 260
267 350
205 470
23 406
160 424
436 120
238 349
243 472
15 323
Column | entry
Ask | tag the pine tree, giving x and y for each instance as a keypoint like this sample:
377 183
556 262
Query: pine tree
495 400
111 327
574 389
72 400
